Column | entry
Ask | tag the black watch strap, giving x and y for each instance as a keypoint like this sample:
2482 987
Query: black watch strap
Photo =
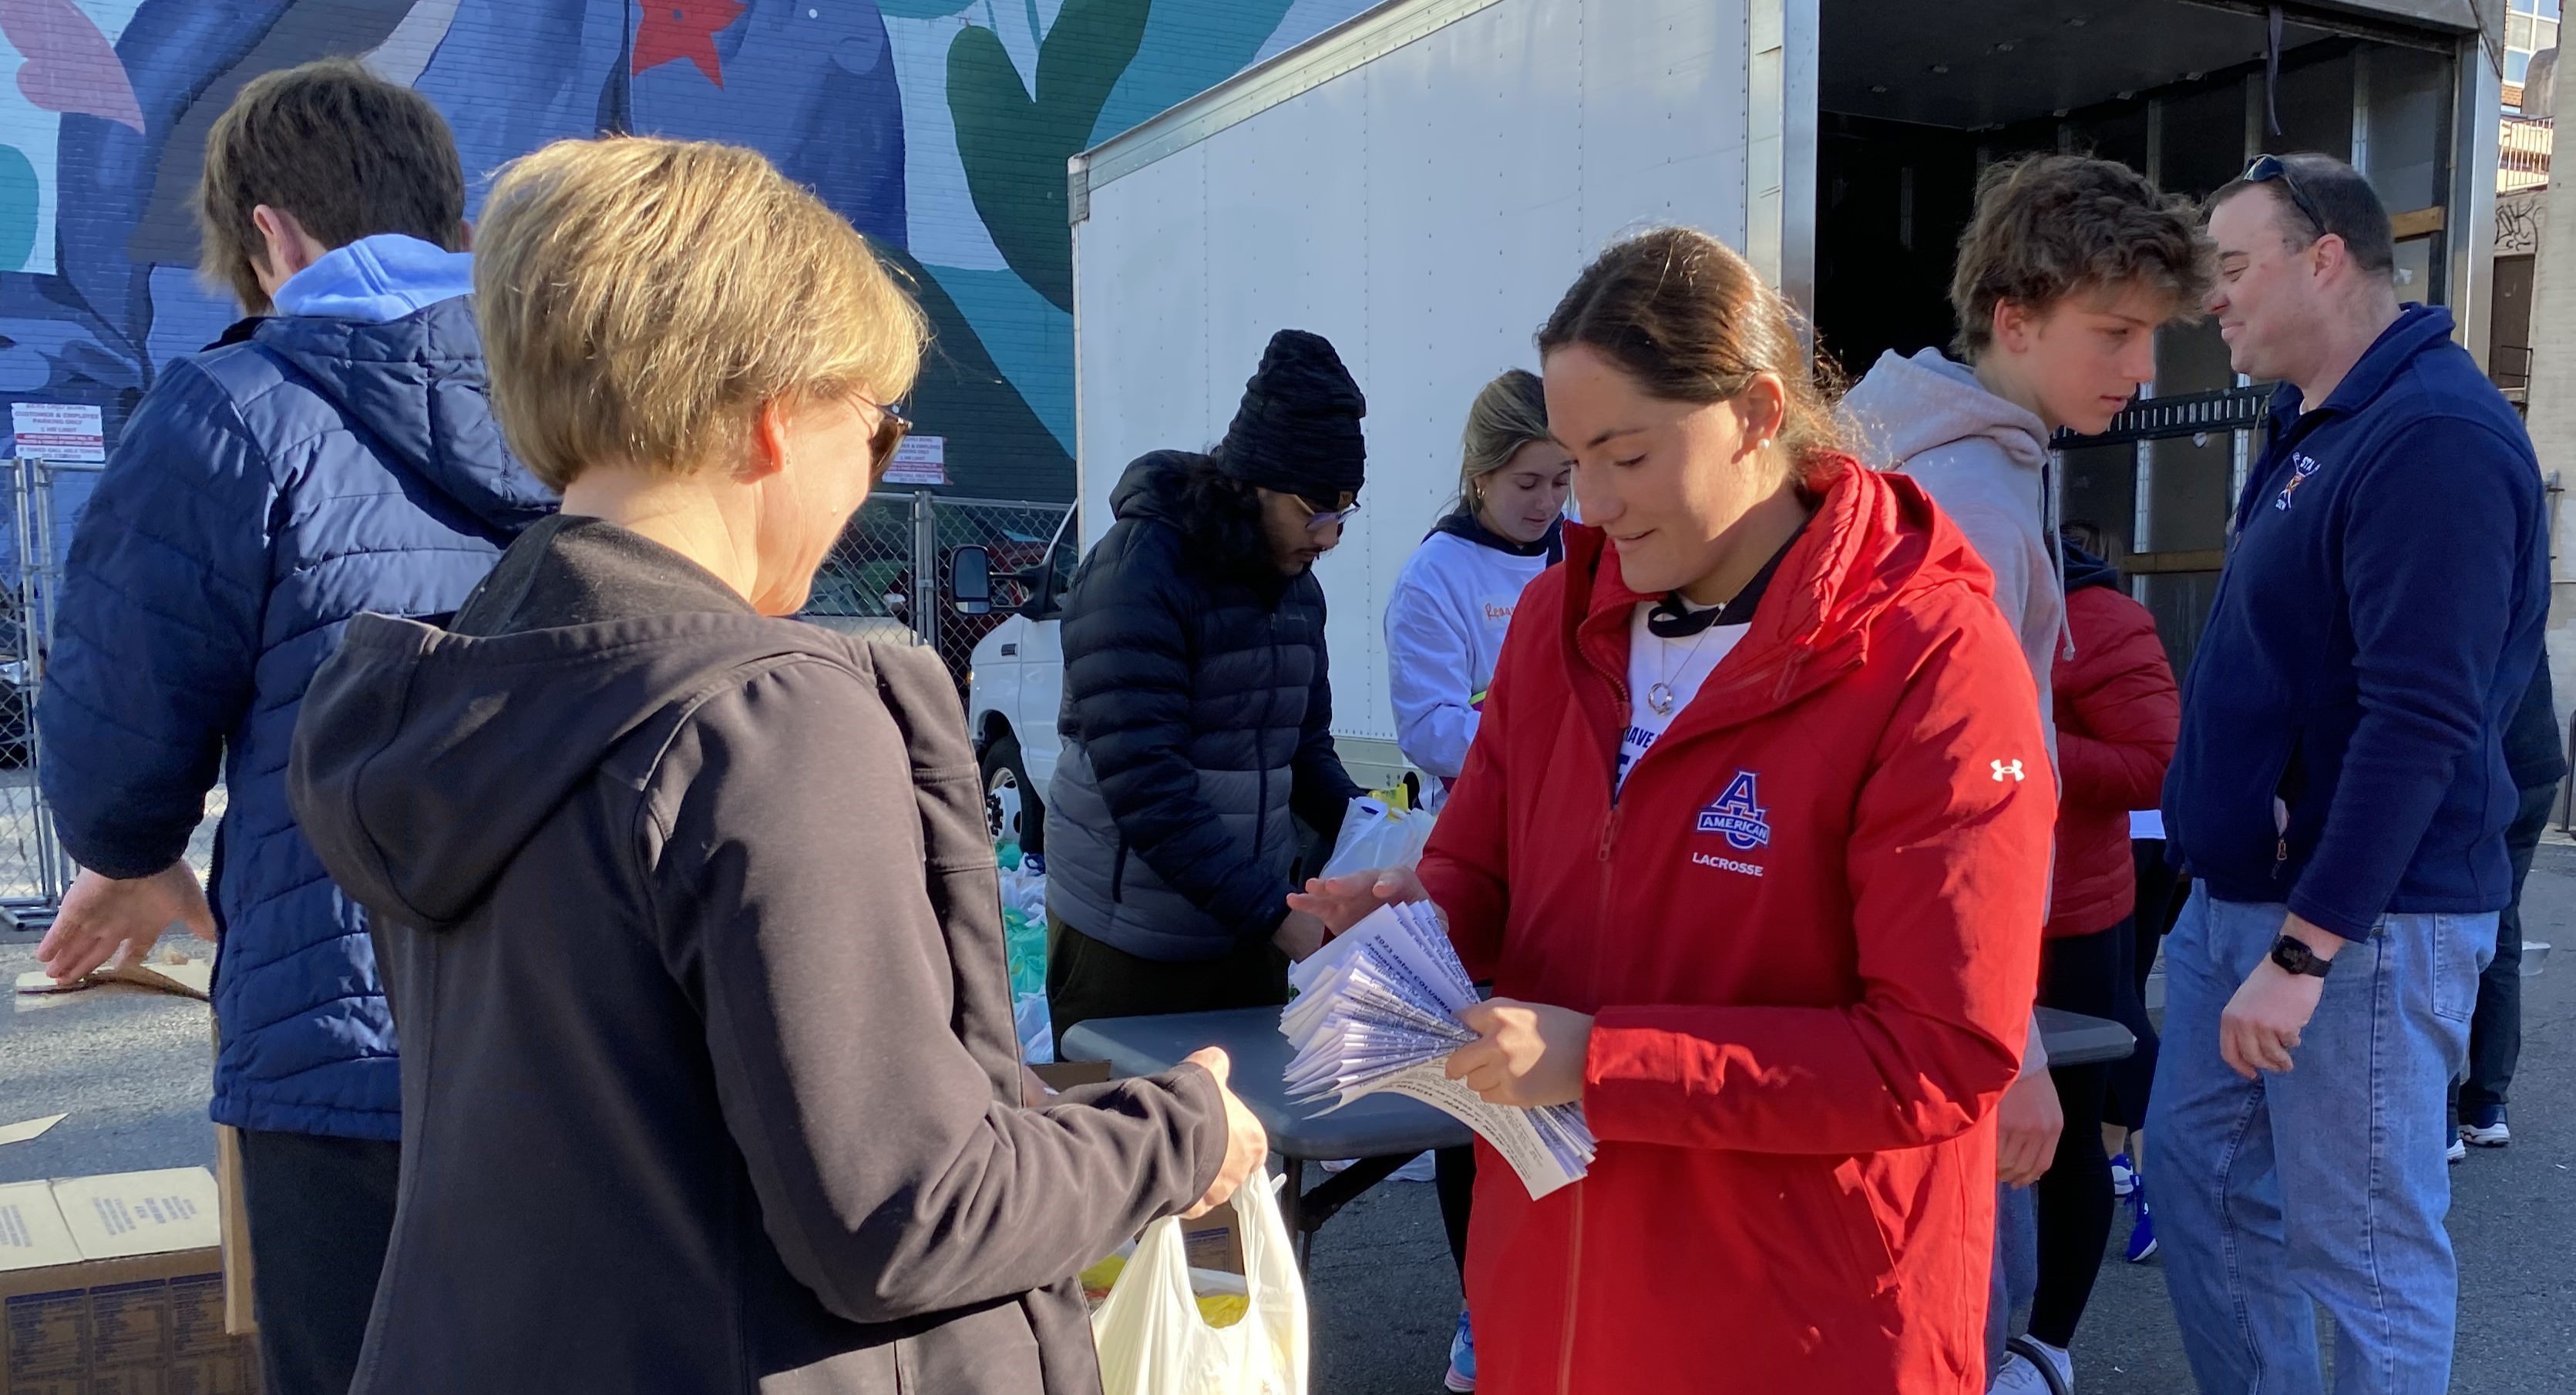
2294 956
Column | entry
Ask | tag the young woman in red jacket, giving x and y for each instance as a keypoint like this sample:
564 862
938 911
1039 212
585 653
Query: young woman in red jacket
1753 843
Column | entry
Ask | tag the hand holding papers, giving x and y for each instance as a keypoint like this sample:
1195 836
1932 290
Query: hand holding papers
1377 1009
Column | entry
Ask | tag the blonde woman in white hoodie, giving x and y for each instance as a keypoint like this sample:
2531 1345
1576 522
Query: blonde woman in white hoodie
1444 631
2068 268
1455 596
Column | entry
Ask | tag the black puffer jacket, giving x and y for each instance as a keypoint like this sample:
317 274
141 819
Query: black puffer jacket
1196 717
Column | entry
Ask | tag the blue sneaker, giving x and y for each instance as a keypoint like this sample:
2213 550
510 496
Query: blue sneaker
2124 1178
1462 1357
2142 1235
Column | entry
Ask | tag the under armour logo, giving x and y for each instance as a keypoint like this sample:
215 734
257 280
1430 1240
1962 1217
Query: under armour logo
2007 767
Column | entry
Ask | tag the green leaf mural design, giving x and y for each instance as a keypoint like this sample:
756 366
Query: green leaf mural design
17 208
1014 146
1190 47
1015 455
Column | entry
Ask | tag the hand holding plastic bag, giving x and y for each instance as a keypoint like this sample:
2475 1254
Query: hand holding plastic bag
1153 1340
1377 835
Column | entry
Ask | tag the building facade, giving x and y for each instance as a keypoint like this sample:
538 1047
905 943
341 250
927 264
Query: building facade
940 128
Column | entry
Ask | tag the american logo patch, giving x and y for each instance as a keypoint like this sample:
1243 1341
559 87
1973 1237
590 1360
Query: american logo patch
1737 815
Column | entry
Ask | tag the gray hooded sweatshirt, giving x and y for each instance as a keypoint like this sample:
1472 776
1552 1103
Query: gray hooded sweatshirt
1980 458
693 937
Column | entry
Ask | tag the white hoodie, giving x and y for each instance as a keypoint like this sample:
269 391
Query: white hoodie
1980 458
1445 622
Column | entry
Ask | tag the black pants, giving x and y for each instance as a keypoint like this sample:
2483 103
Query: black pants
1088 979
2495 1029
2161 892
2090 974
1453 1173
321 1210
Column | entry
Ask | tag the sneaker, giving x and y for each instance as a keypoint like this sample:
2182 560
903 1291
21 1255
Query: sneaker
2124 1178
2023 1373
1462 1357
2485 1128
2457 1152
2142 1235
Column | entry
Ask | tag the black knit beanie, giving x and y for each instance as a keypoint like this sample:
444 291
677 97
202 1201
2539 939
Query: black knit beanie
1298 430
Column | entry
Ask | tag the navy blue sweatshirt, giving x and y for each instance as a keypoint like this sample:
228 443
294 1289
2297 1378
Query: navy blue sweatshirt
2377 622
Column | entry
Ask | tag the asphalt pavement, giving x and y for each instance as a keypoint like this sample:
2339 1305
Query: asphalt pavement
129 1068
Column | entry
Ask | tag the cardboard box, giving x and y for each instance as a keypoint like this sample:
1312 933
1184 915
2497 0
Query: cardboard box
240 1318
1064 1075
116 1284
1212 1242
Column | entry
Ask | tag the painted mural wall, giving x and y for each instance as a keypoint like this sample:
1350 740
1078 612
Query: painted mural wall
939 128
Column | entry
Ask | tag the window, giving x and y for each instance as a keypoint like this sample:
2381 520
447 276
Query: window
2546 9
2522 7
2517 32
2517 63
2544 34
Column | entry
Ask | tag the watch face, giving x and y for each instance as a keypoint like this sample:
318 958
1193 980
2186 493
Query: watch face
2295 956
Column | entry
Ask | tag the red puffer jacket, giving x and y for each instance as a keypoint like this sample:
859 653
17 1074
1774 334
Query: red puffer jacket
2117 712
1808 930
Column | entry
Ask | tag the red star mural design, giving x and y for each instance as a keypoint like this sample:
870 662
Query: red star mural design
676 29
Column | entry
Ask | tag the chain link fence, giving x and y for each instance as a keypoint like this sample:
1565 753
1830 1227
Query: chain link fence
888 574
33 868
885 578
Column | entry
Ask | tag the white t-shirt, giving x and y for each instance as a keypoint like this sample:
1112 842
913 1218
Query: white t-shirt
1661 669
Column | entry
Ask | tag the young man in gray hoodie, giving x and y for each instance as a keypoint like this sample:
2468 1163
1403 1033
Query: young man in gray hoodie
2068 267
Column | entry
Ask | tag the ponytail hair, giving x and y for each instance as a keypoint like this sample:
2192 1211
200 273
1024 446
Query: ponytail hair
1511 412
1682 314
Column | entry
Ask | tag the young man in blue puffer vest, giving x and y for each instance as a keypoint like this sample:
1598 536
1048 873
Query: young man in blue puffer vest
340 458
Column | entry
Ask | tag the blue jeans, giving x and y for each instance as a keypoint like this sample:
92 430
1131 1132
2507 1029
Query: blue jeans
2014 1279
2324 1183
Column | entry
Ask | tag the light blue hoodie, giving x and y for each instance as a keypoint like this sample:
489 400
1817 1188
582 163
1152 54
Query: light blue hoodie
1981 459
377 280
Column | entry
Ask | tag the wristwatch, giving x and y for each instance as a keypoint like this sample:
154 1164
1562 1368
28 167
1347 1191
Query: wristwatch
2294 956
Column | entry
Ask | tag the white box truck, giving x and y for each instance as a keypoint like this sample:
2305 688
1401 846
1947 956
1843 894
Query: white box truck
1421 183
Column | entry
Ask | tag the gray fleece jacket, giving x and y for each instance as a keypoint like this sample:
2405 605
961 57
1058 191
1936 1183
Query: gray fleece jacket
1980 457
694 941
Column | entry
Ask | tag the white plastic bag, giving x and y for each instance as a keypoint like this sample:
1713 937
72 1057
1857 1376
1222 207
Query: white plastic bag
1375 835
1036 1027
1153 1342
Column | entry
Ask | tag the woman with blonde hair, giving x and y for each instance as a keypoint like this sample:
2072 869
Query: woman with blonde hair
1454 599
1753 843
1445 623
709 1079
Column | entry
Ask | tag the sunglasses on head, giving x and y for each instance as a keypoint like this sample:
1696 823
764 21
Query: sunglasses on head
2268 168
892 427
1319 518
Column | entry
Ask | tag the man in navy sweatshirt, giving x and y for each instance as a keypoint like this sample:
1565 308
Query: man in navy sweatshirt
2340 795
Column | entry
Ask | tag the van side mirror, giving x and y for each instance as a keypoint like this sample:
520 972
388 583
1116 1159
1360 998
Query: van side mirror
970 580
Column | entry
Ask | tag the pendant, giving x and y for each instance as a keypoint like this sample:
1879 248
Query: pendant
1660 698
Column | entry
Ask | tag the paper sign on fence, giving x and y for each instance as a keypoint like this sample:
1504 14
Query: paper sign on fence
61 431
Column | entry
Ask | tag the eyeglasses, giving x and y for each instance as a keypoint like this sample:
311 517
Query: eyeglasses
2267 168
1317 520
892 427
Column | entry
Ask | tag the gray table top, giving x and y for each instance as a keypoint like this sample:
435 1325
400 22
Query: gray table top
1369 1127
2073 1039
1388 1125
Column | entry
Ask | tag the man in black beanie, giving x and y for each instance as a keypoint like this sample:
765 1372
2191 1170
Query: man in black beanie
1197 713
